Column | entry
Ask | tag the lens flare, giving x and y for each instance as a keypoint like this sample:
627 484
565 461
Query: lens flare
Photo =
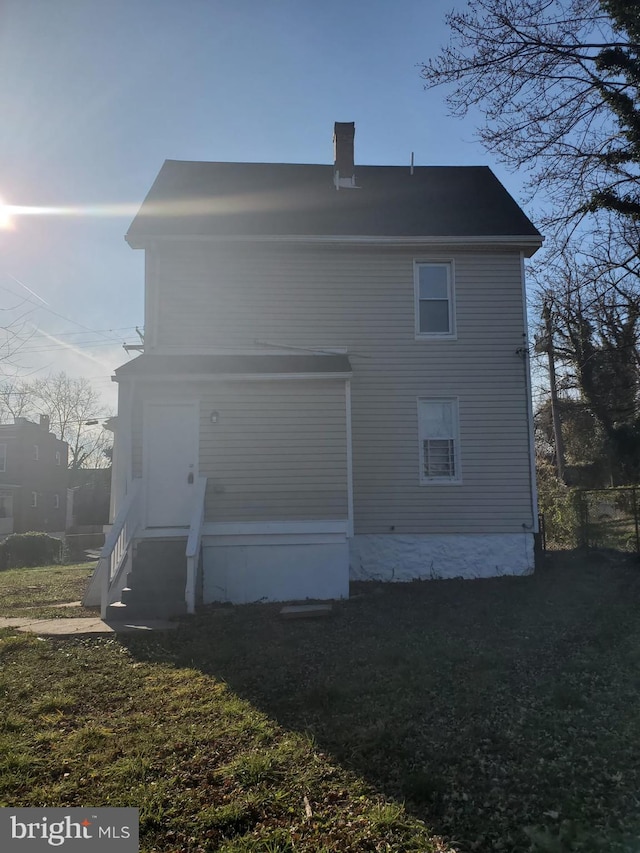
10 213
6 221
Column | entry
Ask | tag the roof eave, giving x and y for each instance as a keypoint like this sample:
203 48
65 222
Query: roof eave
229 377
528 244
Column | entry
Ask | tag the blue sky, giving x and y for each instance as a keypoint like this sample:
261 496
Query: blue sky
96 95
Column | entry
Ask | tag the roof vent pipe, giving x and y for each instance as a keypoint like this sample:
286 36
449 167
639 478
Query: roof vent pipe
343 162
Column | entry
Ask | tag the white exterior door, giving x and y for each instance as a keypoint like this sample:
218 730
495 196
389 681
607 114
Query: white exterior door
170 456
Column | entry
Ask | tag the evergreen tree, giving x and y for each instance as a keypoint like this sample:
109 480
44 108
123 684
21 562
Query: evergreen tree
619 86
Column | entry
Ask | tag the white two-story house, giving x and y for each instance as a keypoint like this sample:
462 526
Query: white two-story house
334 382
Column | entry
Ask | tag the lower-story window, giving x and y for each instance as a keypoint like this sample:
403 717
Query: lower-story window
439 438
6 505
34 499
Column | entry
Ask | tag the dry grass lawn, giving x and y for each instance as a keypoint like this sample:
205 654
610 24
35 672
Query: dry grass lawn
498 714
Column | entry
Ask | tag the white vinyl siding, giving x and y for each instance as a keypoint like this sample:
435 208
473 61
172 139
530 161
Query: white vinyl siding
278 451
439 442
434 300
136 424
229 297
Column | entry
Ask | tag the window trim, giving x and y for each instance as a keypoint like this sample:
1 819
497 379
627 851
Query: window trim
440 481
449 263
3 457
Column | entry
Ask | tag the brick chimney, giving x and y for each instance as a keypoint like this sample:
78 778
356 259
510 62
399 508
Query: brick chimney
44 422
343 165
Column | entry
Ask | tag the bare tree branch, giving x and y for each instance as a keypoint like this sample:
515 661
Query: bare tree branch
559 84
74 410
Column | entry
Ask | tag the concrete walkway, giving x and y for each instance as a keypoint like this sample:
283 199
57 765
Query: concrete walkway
82 626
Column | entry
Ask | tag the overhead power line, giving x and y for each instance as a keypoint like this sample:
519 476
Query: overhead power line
82 332
42 307
83 345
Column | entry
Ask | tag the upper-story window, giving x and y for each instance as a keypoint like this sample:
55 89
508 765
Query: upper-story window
36 451
3 457
434 299
58 458
439 440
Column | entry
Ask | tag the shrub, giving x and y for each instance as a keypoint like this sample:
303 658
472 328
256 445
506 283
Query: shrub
29 549
557 502
73 550
76 545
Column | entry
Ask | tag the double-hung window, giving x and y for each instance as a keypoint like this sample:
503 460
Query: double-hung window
439 437
434 302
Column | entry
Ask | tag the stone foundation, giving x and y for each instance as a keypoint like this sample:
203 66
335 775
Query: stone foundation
390 557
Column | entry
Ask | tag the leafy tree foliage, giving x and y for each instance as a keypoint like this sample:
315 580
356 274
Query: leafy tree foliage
596 338
587 462
557 503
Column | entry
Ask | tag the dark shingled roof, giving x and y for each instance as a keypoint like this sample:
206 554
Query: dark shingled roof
251 199
151 364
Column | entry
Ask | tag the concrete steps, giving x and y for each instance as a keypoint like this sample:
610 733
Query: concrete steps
155 585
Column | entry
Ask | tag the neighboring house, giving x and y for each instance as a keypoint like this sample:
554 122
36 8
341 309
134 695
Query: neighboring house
91 492
33 477
336 362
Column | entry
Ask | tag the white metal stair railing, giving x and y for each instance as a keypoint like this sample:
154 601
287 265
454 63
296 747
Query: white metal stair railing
115 551
194 544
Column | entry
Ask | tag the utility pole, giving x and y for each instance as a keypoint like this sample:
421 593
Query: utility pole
555 412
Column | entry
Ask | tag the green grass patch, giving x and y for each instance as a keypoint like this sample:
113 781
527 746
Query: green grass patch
34 592
92 721
499 715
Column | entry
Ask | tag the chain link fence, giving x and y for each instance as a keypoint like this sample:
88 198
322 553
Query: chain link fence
606 518
609 518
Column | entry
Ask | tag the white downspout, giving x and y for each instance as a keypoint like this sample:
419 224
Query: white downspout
527 375
347 386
